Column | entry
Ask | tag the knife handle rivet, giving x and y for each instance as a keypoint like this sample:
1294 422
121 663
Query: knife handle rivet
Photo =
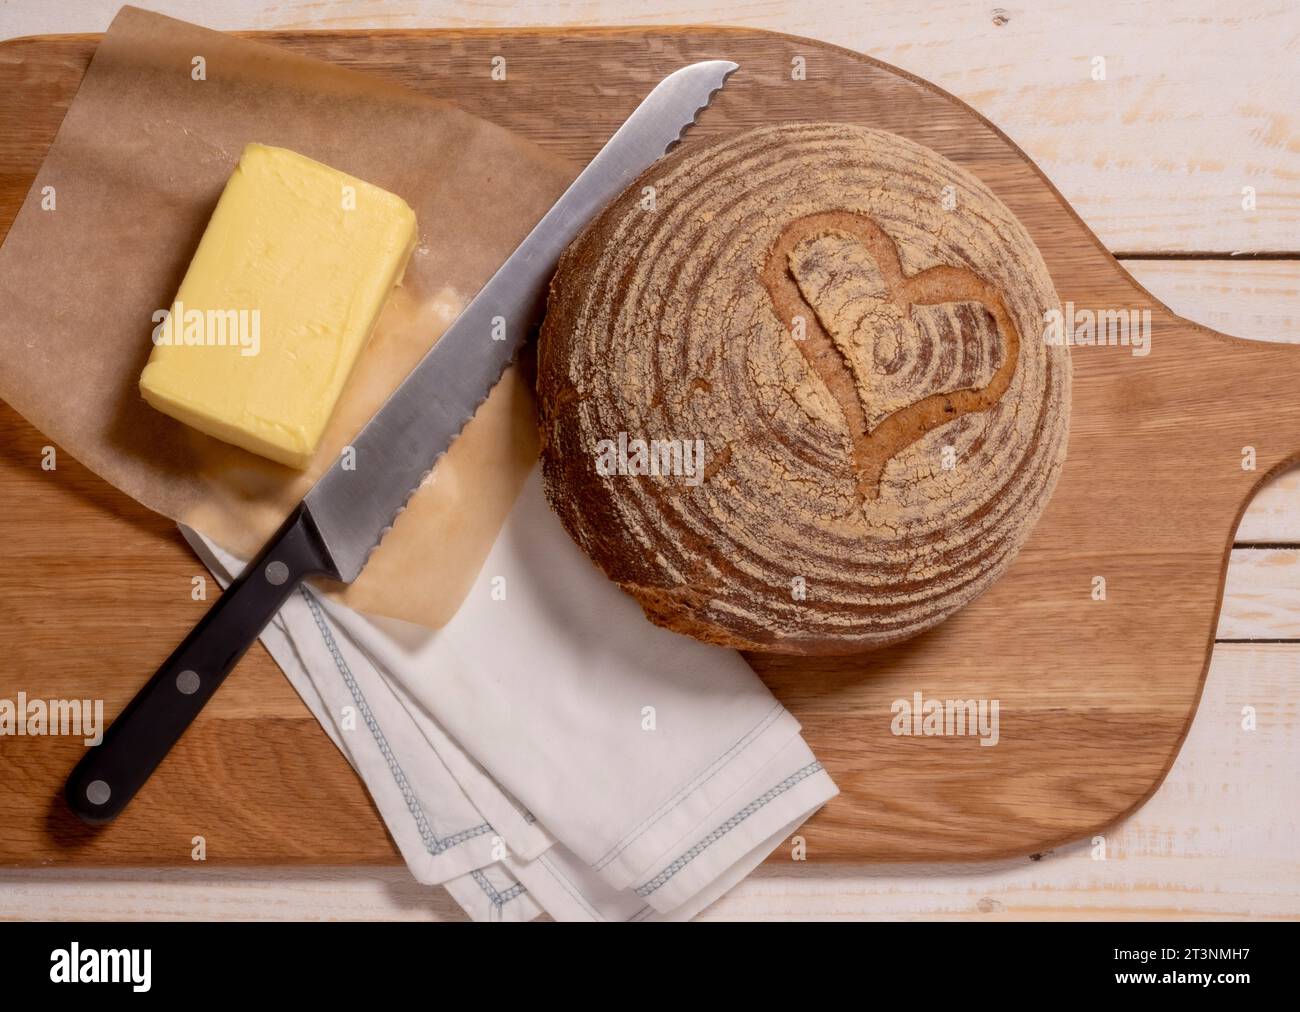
98 792
276 573
187 682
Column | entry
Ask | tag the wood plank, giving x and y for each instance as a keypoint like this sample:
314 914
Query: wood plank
207 893
93 583
1258 299
1096 695
1216 841
390 893
1194 106
1261 599
1273 517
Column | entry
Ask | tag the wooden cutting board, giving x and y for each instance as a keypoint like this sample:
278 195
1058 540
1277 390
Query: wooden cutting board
1095 696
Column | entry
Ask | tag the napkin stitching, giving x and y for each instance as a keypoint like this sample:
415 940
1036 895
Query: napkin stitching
413 805
737 748
499 900
719 832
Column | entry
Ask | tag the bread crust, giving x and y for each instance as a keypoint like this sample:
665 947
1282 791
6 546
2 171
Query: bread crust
850 326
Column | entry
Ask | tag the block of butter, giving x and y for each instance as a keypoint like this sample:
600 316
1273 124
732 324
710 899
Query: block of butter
279 300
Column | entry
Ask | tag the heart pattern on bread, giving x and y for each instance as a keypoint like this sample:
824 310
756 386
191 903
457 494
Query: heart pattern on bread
825 463
901 355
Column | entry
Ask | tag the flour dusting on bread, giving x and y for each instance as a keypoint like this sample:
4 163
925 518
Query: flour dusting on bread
882 423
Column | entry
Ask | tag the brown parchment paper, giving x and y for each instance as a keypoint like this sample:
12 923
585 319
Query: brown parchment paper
136 169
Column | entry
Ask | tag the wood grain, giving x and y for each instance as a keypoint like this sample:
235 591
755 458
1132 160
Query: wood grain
1096 696
1274 514
1194 106
1261 599
1258 299
1217 841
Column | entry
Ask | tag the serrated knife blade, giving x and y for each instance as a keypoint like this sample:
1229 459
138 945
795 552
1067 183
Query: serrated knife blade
396 450
334 529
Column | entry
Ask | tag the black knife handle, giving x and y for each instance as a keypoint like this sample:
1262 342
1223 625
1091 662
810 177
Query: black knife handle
110 773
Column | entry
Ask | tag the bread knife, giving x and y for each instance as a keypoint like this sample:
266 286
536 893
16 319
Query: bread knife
349 510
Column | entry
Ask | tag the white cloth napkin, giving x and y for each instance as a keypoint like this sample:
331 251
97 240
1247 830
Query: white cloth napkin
550 749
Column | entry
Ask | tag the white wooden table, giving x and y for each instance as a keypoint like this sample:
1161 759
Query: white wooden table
1198 103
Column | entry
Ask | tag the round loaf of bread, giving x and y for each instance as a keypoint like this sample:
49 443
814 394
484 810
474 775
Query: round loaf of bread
794 391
